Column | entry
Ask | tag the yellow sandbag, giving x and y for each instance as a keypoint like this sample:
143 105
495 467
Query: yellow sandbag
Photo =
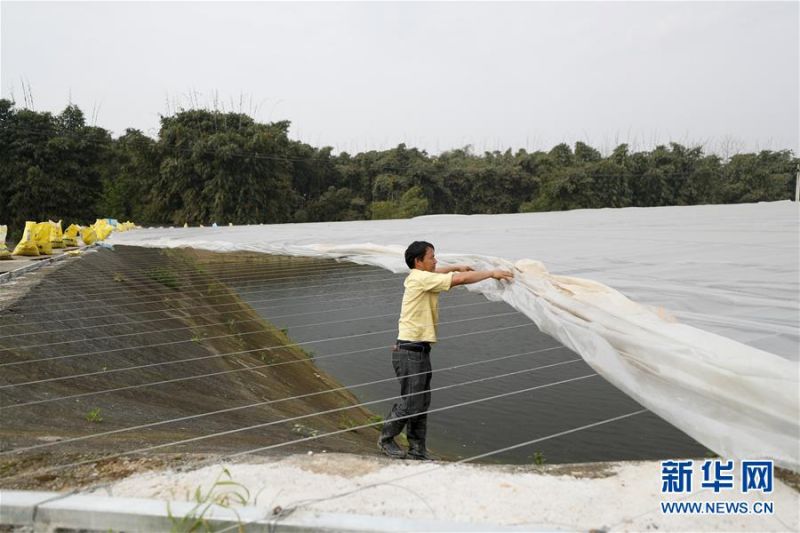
41 234
70 236
27 244
102 229
56 235
103 232
98 224
4 253
88 235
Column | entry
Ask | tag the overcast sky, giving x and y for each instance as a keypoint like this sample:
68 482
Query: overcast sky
359 76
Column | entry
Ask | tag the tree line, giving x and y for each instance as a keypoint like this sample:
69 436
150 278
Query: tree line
209 166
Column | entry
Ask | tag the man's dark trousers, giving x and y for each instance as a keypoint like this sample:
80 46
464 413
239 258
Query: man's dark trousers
413 370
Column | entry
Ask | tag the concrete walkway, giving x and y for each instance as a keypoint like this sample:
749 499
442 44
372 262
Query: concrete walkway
406 495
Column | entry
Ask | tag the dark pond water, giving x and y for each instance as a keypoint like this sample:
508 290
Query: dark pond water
357 308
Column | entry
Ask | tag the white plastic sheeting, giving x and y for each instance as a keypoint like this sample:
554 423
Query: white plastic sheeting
702 328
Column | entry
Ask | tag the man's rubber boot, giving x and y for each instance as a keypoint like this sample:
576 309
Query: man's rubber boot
390 448
419 454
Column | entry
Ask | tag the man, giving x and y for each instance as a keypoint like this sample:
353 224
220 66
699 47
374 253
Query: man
419 318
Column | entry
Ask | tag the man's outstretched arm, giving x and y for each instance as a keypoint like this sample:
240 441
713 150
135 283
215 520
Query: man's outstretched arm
454 268
465 278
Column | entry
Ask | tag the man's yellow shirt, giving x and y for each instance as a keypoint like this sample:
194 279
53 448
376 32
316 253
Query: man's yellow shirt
419 315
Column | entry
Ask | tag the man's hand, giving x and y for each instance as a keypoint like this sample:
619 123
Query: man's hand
502 275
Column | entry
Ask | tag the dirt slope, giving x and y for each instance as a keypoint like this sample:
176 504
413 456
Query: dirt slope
142 298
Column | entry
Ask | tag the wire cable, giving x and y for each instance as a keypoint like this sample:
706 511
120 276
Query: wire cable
48 380
66 293
54 343
267 318
224 323
328 411
172 343
288 509
373 294
63 282
376 293
182 298
263 403
214 356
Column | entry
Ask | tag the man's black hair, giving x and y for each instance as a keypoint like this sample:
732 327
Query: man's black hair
416 250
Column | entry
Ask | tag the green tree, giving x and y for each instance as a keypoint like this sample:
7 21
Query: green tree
766 176
222 167
411 204
207 166
50 166
586 154
128 185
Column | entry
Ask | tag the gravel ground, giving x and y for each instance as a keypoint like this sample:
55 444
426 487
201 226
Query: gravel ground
596 496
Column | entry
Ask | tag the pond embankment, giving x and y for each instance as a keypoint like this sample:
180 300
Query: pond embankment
138 369
114 355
